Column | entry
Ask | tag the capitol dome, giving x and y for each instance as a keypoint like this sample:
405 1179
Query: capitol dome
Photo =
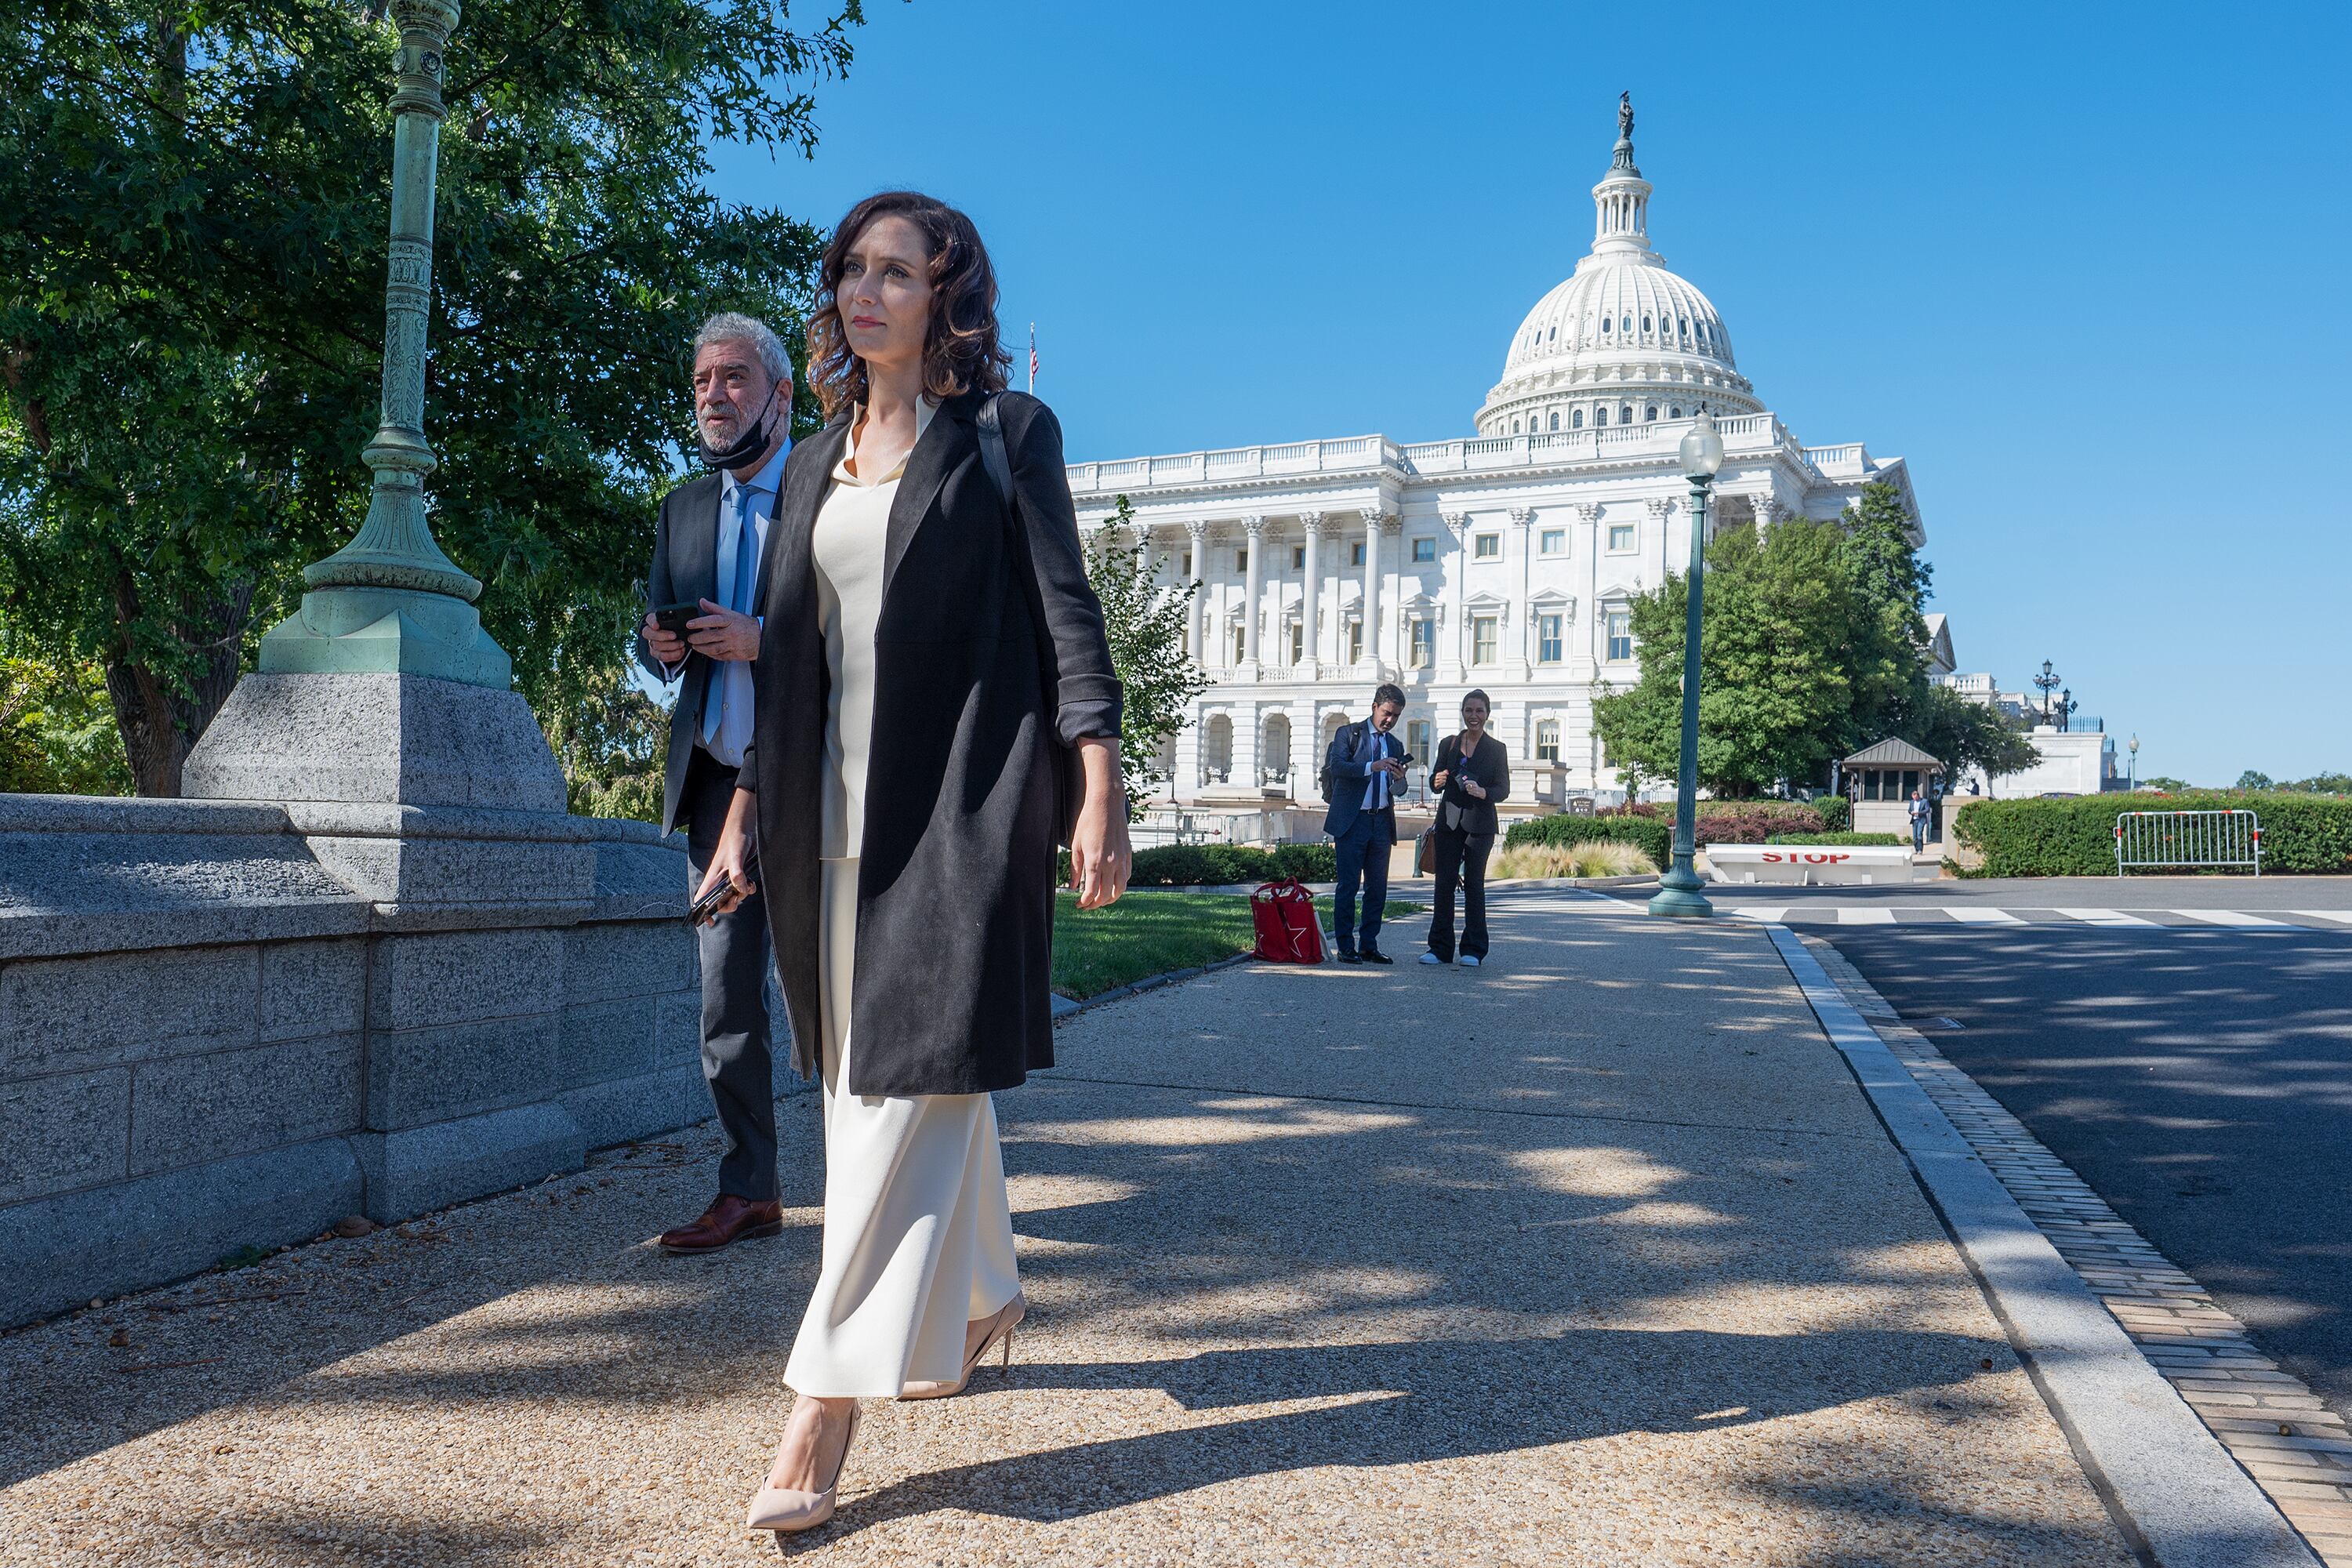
1622 339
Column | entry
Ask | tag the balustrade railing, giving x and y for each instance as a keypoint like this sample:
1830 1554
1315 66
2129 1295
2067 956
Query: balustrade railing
1741 432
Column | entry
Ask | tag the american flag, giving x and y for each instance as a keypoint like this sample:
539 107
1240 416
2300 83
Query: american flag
1032 356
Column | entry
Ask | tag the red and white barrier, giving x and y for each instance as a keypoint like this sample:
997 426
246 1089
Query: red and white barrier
1809 865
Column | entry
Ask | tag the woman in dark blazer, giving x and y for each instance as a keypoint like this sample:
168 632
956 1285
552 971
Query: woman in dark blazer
1471 772
935 705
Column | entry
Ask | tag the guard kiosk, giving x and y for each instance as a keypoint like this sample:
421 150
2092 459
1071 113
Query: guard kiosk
1879 780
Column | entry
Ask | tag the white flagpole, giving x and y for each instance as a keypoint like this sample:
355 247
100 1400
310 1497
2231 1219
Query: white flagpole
1033 357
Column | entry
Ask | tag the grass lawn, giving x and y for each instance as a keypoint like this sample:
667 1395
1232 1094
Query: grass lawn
1150 934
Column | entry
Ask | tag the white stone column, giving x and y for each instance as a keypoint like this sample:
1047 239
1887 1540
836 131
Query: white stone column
1590 512
1522 545
1311 604
1445 657
1660 509
1196 627
1372 591
1253 585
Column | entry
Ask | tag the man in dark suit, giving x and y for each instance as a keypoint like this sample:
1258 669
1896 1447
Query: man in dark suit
708 551
1365 767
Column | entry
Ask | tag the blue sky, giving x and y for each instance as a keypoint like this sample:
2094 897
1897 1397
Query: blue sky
2083 265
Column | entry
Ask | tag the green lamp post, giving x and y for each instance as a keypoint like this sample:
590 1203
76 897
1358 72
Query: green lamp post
1678 890
390 603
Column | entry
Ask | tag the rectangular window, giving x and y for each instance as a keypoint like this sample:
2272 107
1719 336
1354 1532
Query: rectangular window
1355 552
1482 640
1621 634
1424 550
1547 638
1186 570
1298 558
1417 741
1241 644
1424 643
1355 642
1555 541
1298 642
1620 536
1240 559
1546 740
1488 547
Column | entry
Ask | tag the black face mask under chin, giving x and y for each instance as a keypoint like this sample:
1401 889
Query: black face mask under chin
752 442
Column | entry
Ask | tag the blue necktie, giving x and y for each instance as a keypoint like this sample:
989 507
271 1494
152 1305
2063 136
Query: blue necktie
747 551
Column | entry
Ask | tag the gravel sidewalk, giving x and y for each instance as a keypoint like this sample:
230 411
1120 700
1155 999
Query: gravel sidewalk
1596 1256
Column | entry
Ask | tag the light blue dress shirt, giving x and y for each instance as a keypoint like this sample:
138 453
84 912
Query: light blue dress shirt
726 700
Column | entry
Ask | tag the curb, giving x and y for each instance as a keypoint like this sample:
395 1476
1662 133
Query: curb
1064 1007
2174 1492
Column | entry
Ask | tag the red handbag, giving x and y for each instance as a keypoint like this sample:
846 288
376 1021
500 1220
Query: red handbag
1288 930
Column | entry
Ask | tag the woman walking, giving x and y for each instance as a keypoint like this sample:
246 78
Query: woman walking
935 705
1472 772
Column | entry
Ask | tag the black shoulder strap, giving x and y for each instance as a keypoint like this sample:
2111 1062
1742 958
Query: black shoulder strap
993 455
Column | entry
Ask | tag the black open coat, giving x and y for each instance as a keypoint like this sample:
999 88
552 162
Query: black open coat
955 885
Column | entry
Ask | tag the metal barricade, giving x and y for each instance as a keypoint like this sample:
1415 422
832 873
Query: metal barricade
2194 840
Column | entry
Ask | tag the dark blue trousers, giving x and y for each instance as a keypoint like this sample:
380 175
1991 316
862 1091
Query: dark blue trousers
735 1027
1363 859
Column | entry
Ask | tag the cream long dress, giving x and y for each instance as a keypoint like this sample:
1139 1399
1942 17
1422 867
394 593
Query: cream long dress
917 1231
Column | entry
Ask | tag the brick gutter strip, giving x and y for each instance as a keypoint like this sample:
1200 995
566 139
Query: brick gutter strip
2297 1450
2175 1493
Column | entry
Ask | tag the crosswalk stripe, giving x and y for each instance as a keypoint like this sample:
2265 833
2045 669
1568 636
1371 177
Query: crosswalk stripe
1765 912
2344 916
1864 915
2106 918
1978 915
2227 918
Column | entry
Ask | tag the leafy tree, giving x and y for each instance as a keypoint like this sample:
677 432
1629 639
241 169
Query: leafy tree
192 296
56 731
1776 694
1145 621
2253 780
2322 784
1963 734
2169 785
1886 661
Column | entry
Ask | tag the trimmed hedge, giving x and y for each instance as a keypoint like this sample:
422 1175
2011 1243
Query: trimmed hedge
2076 838
1846 838
1652 835
1834 810
1788 815
1220 865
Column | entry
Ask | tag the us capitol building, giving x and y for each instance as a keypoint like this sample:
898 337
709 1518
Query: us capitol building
1503 561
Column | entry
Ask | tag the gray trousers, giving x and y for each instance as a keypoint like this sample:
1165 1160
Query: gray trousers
735 1029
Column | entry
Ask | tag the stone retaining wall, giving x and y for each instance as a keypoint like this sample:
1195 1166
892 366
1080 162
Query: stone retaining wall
211 1039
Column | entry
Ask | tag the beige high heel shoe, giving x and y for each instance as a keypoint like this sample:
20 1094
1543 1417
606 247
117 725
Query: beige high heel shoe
1008 1317
787 1509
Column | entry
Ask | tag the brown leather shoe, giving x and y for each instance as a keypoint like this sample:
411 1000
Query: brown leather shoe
729 1219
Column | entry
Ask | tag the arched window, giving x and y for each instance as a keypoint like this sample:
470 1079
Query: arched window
1650 414
1600 417
1555 419
1625 414
1605 327
1645 322
1576 418
1515 424
1675 412
1629 323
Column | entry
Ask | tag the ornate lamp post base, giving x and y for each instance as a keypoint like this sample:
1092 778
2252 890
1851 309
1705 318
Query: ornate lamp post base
385 631
1676 899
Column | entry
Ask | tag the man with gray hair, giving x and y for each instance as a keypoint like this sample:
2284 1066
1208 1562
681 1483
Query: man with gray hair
705 573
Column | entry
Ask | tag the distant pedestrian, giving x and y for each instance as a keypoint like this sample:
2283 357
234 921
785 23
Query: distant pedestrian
707 554
1364 767
937 705
1919 810
1470 773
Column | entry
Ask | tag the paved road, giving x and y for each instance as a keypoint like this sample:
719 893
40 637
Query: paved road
2199 1078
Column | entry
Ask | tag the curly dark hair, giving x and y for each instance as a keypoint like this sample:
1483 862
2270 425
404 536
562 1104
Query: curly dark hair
960 350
